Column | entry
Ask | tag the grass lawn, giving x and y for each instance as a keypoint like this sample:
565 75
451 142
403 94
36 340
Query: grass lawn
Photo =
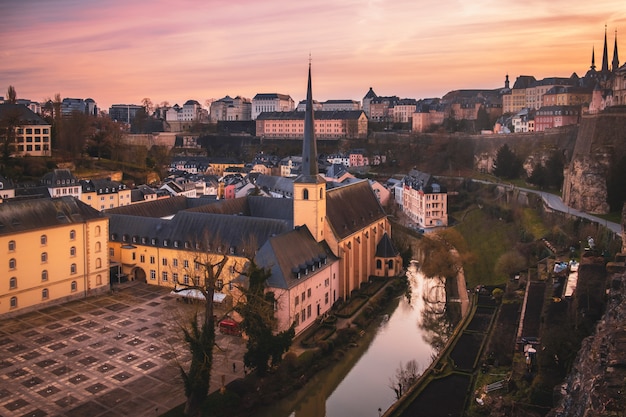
487 238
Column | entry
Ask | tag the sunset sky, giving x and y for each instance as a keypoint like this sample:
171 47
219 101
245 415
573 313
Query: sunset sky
120 51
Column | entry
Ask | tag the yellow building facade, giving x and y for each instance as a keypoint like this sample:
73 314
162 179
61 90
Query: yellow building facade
53 250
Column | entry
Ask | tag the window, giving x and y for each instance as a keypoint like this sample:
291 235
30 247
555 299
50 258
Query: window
303 296
303 314
44 294
186 263
98 279
219 284
296 301
164 261
44 257
152 260
11 245
97 231
175 262
98 263
164 277
111 252
12 263
98 246
296 319
186 279
44 239
305 194
326 298
73 251
72 234
44 275
73 269
152 274
308 310
73 286
379 264
308 293
175 276
142 258
13 302
12 283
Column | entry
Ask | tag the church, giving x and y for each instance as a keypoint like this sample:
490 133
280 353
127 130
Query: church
320 246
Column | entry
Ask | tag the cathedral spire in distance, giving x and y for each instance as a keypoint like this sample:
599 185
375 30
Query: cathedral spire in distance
615 63
309 146
593 58
605 54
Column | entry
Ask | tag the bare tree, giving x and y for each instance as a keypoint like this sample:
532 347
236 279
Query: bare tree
11 95
405 377
199 335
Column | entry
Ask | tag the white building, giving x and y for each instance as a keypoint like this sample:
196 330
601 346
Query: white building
271 102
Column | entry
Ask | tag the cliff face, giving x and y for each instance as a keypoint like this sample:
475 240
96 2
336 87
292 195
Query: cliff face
601 142
597 383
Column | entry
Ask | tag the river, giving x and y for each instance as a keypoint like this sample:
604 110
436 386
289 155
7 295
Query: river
361 383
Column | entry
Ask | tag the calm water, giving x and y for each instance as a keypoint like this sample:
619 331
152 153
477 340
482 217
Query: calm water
361 384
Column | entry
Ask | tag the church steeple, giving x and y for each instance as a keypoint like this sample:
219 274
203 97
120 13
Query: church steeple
309 188
309 147
605 54
593 58
615 63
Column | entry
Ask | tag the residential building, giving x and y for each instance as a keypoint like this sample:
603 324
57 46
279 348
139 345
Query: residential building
403 109
290 166
231 109
329 125
567 96
180 186
556 116
516 101
271 102
104 194
124 113
31 132
61 183
424 200
55 251
7 189
381 108
340 105
367 100
317 106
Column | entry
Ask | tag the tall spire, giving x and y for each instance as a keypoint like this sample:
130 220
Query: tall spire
615 63
309 146
605 54
593 58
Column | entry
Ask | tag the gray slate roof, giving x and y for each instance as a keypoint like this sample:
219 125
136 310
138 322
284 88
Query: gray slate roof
291 252
351 207
18 216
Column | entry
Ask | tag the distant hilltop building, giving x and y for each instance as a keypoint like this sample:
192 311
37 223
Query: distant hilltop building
271 102
31 134
124 113
231 109
328 125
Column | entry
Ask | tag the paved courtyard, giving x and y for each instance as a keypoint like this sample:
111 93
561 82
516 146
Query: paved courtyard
110 355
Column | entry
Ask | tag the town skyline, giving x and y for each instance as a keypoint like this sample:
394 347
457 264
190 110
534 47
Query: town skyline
119 53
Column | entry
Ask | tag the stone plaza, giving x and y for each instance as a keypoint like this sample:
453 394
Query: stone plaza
109 355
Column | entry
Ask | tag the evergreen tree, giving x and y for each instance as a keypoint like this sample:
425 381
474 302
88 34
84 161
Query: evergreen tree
507 165
265 348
